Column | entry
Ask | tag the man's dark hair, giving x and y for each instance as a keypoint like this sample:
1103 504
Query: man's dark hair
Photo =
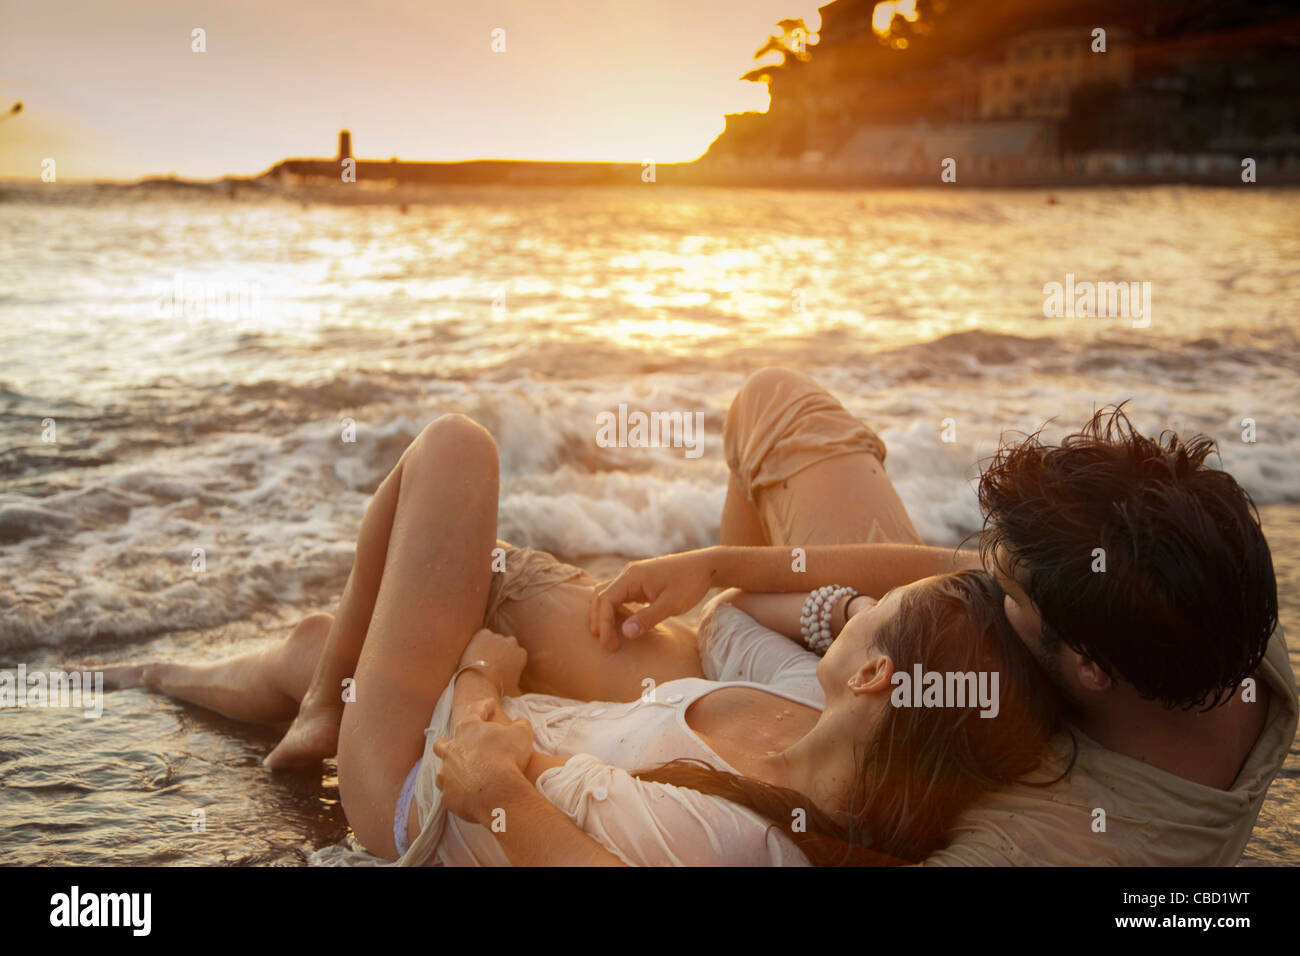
1188 601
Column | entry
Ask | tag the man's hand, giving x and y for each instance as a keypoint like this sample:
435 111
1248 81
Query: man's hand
670 585
504 657
483 762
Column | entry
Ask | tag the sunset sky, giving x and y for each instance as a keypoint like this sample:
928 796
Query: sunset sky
113 91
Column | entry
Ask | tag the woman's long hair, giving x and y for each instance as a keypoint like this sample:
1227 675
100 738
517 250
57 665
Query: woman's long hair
925 764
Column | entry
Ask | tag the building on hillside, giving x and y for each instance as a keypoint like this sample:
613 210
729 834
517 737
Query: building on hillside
1040 70
1003 148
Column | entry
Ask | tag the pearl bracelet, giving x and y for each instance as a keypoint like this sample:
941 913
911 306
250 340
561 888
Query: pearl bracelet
815 617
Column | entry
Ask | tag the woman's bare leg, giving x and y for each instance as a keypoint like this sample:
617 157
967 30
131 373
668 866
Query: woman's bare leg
264 686
314 733
845 498
303 678
431 599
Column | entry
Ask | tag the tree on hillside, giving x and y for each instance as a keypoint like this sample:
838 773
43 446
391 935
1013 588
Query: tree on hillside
791 43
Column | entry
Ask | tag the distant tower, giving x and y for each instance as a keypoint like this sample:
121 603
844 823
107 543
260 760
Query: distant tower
345 144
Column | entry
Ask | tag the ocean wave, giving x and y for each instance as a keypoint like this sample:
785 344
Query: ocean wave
107 552
534 311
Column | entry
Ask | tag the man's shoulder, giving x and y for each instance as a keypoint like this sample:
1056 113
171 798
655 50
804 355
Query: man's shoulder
1115 810
1073 821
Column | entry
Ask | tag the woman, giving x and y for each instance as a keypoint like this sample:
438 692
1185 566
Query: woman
817 753
429 574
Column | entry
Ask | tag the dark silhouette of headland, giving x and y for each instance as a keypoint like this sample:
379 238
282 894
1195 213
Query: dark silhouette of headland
996 92
344 167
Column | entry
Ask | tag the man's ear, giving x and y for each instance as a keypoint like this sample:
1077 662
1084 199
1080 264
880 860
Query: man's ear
873 677
1091 675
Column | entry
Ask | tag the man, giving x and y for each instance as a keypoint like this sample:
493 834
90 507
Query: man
1141 580
1138 576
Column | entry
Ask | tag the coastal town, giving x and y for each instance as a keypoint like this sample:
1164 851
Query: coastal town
894 99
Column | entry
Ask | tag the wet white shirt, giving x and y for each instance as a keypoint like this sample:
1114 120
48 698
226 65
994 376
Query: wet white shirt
644 824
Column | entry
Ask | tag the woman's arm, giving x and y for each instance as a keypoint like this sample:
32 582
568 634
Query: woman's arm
490 668
782 612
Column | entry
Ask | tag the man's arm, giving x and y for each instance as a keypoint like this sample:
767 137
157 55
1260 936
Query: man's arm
487 776
677 582
537 833
870 569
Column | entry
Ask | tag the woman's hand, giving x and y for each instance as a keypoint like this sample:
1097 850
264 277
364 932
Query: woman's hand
483 762
670 585
505 659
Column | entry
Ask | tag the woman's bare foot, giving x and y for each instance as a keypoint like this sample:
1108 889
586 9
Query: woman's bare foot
314 734
312 737
262 686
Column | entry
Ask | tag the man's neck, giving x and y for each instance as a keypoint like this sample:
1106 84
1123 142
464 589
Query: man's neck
1207 748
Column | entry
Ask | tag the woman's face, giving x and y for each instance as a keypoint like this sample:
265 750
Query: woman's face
855 647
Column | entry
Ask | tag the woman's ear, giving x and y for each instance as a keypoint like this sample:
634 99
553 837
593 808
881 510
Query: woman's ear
873 677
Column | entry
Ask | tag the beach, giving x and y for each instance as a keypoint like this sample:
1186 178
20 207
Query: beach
199 394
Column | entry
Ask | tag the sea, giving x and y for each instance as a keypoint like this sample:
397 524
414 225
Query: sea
202 385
